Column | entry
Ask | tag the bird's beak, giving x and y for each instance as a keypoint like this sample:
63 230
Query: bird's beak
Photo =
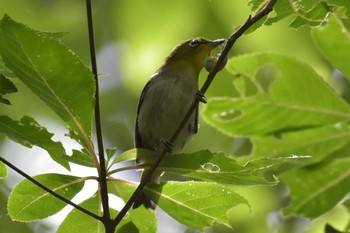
217 42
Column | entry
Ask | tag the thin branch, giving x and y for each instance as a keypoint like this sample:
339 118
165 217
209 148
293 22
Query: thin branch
53 193
230 42
102 167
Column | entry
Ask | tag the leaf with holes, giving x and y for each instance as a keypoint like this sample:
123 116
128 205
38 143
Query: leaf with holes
285 103
28 202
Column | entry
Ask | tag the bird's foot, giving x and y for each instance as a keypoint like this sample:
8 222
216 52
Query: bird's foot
200 97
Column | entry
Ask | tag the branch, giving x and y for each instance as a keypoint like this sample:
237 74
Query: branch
53 193
230 42
102 166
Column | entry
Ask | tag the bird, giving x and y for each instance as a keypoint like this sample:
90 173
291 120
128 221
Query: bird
165 100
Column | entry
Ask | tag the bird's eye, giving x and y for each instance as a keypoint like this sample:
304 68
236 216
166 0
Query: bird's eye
194 43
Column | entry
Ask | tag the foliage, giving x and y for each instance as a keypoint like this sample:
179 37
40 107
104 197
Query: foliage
295 120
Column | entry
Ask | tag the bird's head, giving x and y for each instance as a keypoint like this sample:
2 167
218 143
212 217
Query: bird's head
193 52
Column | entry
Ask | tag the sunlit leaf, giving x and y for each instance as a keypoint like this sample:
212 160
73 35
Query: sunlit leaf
298 99
325 38
196 204
28 202
317 142
317 188
77 221
52 72
28 132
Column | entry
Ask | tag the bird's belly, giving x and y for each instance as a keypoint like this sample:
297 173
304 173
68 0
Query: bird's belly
165 116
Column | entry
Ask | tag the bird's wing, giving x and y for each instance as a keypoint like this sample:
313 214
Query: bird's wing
138 140
196 120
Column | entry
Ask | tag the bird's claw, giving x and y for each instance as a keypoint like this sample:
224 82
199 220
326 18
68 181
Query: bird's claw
200 97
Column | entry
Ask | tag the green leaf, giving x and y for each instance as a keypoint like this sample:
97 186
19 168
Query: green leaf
325 38
317 142
81 158
314 16
196 204
6 224
282 9
297 99
132 154
140 220
77 221
52 72
28 132
110 152
28 202
216 167
3 170
317 188
6 87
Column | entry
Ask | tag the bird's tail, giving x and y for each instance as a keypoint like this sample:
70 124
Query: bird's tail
143 199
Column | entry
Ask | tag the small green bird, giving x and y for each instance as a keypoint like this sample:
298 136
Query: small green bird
166 98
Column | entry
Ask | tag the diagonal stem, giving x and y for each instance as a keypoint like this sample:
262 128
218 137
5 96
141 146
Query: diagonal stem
53 193
230 42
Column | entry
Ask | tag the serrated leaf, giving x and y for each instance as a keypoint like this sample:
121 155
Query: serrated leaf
28 202
216 167
317 142
140 220
287 105
325 37
314 16
28 132
196 204
52 72
316 189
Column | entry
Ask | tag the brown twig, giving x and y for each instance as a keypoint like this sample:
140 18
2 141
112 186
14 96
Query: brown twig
102 166
230 42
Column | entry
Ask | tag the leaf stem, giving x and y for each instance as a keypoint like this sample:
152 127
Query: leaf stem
53 193
230 42
102 166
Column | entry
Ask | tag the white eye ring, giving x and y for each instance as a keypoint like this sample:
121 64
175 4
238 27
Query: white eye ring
194 43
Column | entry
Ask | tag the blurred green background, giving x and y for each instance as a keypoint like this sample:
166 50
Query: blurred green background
132 39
